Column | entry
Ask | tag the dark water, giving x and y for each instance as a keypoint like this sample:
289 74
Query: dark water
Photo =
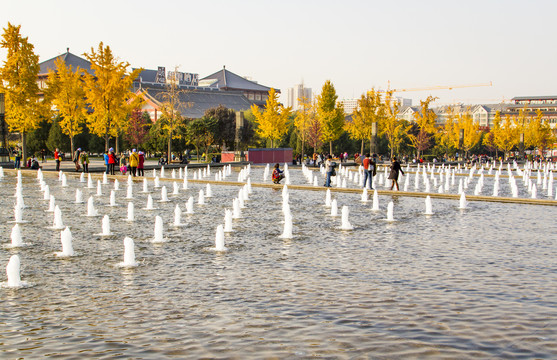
467 284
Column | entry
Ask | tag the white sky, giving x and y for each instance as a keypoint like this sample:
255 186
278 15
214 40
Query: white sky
356 44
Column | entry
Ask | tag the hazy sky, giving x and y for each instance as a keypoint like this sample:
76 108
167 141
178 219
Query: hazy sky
355 44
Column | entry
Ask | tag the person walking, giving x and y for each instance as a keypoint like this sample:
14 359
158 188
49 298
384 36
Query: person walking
134 161
330 166
369 170
17 161
393 175
57 159
140 163
76 159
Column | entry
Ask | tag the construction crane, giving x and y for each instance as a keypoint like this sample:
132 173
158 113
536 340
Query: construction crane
438 87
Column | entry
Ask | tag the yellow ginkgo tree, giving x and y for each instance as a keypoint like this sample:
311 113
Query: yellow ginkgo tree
272 122
18 81
393 128
370 110
65 92
424 126
538 133
108 93
505 134
330 114
470 130
304 118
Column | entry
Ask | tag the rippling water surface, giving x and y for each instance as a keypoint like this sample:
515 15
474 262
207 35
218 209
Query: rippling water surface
467 284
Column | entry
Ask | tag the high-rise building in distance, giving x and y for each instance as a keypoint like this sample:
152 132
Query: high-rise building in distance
295 94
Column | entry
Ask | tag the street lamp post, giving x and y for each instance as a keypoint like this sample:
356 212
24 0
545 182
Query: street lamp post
373 147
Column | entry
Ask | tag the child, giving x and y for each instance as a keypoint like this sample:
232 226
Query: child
123 166
277 174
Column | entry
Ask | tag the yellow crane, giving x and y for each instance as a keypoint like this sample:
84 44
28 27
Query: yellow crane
438 87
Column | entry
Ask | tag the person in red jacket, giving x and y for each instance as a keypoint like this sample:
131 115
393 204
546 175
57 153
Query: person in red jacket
57 159
111 160
140 164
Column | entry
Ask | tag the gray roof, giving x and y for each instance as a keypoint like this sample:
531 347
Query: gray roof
148 76
227 80
200 101
519 98
69 59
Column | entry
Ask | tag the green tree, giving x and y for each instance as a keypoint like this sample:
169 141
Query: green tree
225 134
156 142
200 133
272 123
330 114
18 80
36 139
108 93
56 138
65 91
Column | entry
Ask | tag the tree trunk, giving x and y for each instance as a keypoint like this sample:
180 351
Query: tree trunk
197 152
330 147
362 147
106 139
72 145
117 144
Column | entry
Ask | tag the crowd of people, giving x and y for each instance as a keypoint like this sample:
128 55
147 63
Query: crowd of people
133 163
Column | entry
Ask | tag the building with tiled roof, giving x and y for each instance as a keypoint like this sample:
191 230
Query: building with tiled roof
228 81
195 102
69 58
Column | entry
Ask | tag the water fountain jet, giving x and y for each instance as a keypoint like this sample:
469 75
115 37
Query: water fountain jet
219 239
129 253
131 215
91 211
345 225
67 247
158 230
428 206
17 240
